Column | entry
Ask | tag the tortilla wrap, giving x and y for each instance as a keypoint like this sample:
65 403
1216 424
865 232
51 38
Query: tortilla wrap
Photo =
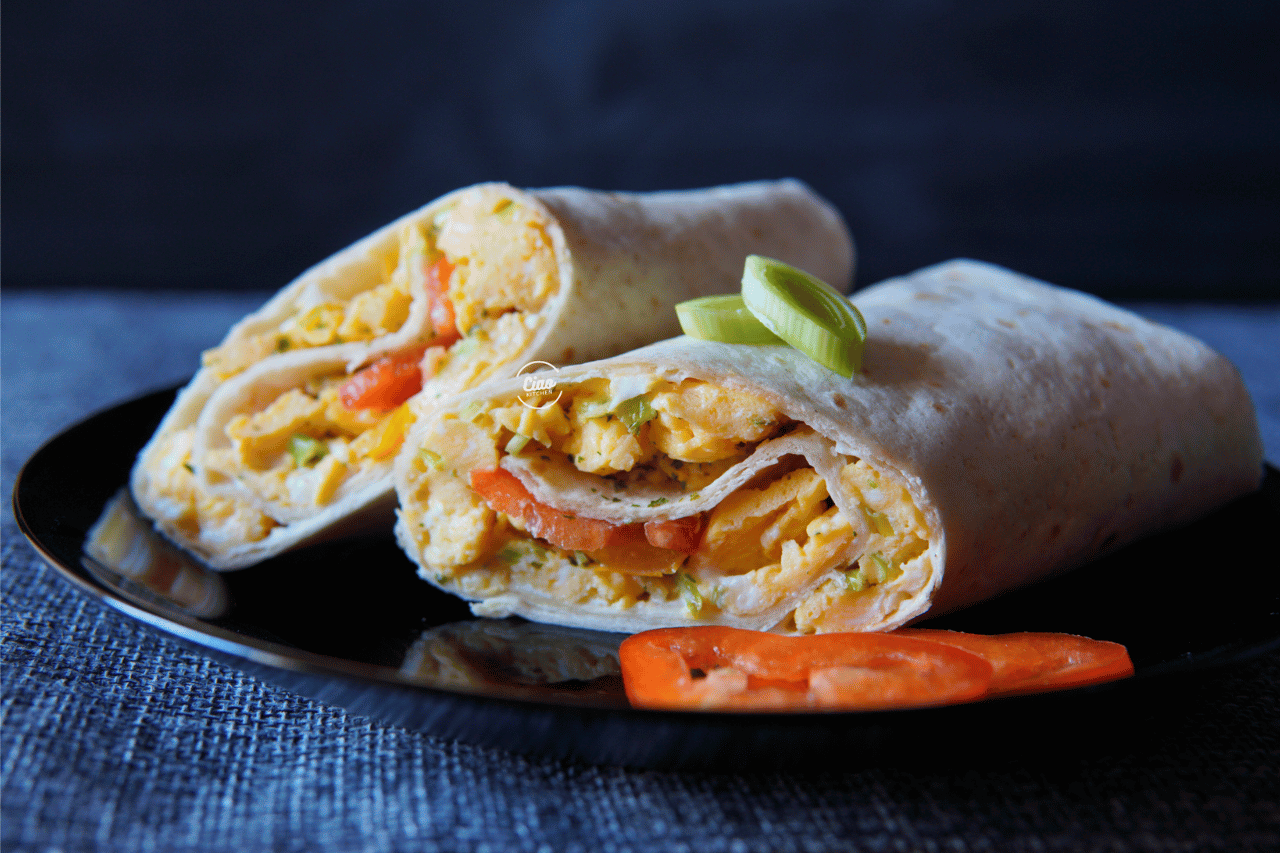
475 284
1000 430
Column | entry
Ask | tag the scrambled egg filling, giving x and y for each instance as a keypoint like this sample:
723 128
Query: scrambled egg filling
777 533
184 504
298 451
502 270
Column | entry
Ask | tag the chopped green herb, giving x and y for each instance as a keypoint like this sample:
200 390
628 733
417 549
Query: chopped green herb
187 465
431 459
657 502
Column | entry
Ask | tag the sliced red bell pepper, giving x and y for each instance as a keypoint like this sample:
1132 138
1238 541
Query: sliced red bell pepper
1033 661
504 492
675 534
443 319
386 383
721 668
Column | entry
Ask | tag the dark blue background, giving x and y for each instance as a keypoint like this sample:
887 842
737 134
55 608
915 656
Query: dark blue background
1127 148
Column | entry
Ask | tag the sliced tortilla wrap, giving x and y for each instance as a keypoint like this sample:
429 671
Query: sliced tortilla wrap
472 286
1000 430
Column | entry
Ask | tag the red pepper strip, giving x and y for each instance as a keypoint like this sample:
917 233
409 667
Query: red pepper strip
719 668
386 383
676 534
1028 662
504 492
440 310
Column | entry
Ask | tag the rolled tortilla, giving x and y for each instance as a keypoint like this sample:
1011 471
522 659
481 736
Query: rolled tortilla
1000 430
474 285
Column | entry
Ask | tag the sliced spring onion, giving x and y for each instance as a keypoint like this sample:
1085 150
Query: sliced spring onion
594 408
723 318
516 444
806 312
853 580
635 413
881 567
306 450
688 588
878 522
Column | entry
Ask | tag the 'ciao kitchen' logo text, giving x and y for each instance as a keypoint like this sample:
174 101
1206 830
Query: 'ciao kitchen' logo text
539 387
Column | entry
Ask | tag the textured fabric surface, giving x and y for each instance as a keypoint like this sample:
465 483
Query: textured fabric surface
117 738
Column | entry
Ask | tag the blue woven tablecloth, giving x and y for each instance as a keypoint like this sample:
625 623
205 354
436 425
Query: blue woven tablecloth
117 738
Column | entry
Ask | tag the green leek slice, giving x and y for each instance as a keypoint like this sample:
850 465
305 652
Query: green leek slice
806 312
635 413
723 318
306 450
688 588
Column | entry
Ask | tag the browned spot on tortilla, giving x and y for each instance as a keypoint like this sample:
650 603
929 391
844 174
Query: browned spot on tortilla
569 353
1104 382
1053 533
839 401
1111 324
1007 324
940 408
1175 468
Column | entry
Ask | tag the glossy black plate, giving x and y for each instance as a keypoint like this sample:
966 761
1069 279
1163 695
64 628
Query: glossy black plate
349 623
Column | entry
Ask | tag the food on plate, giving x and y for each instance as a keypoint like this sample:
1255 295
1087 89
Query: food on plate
998 430
729 669
123 549
719 668
287 433
1031 661
515 657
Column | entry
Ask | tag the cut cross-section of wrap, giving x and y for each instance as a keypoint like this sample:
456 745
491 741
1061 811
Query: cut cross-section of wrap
287 431
1000 430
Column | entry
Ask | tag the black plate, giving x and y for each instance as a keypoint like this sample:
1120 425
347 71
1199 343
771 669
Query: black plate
350 624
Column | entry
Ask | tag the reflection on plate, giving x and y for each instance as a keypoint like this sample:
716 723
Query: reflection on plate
349 623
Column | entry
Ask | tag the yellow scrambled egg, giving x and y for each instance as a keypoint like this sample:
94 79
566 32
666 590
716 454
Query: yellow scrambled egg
504 270
759 544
